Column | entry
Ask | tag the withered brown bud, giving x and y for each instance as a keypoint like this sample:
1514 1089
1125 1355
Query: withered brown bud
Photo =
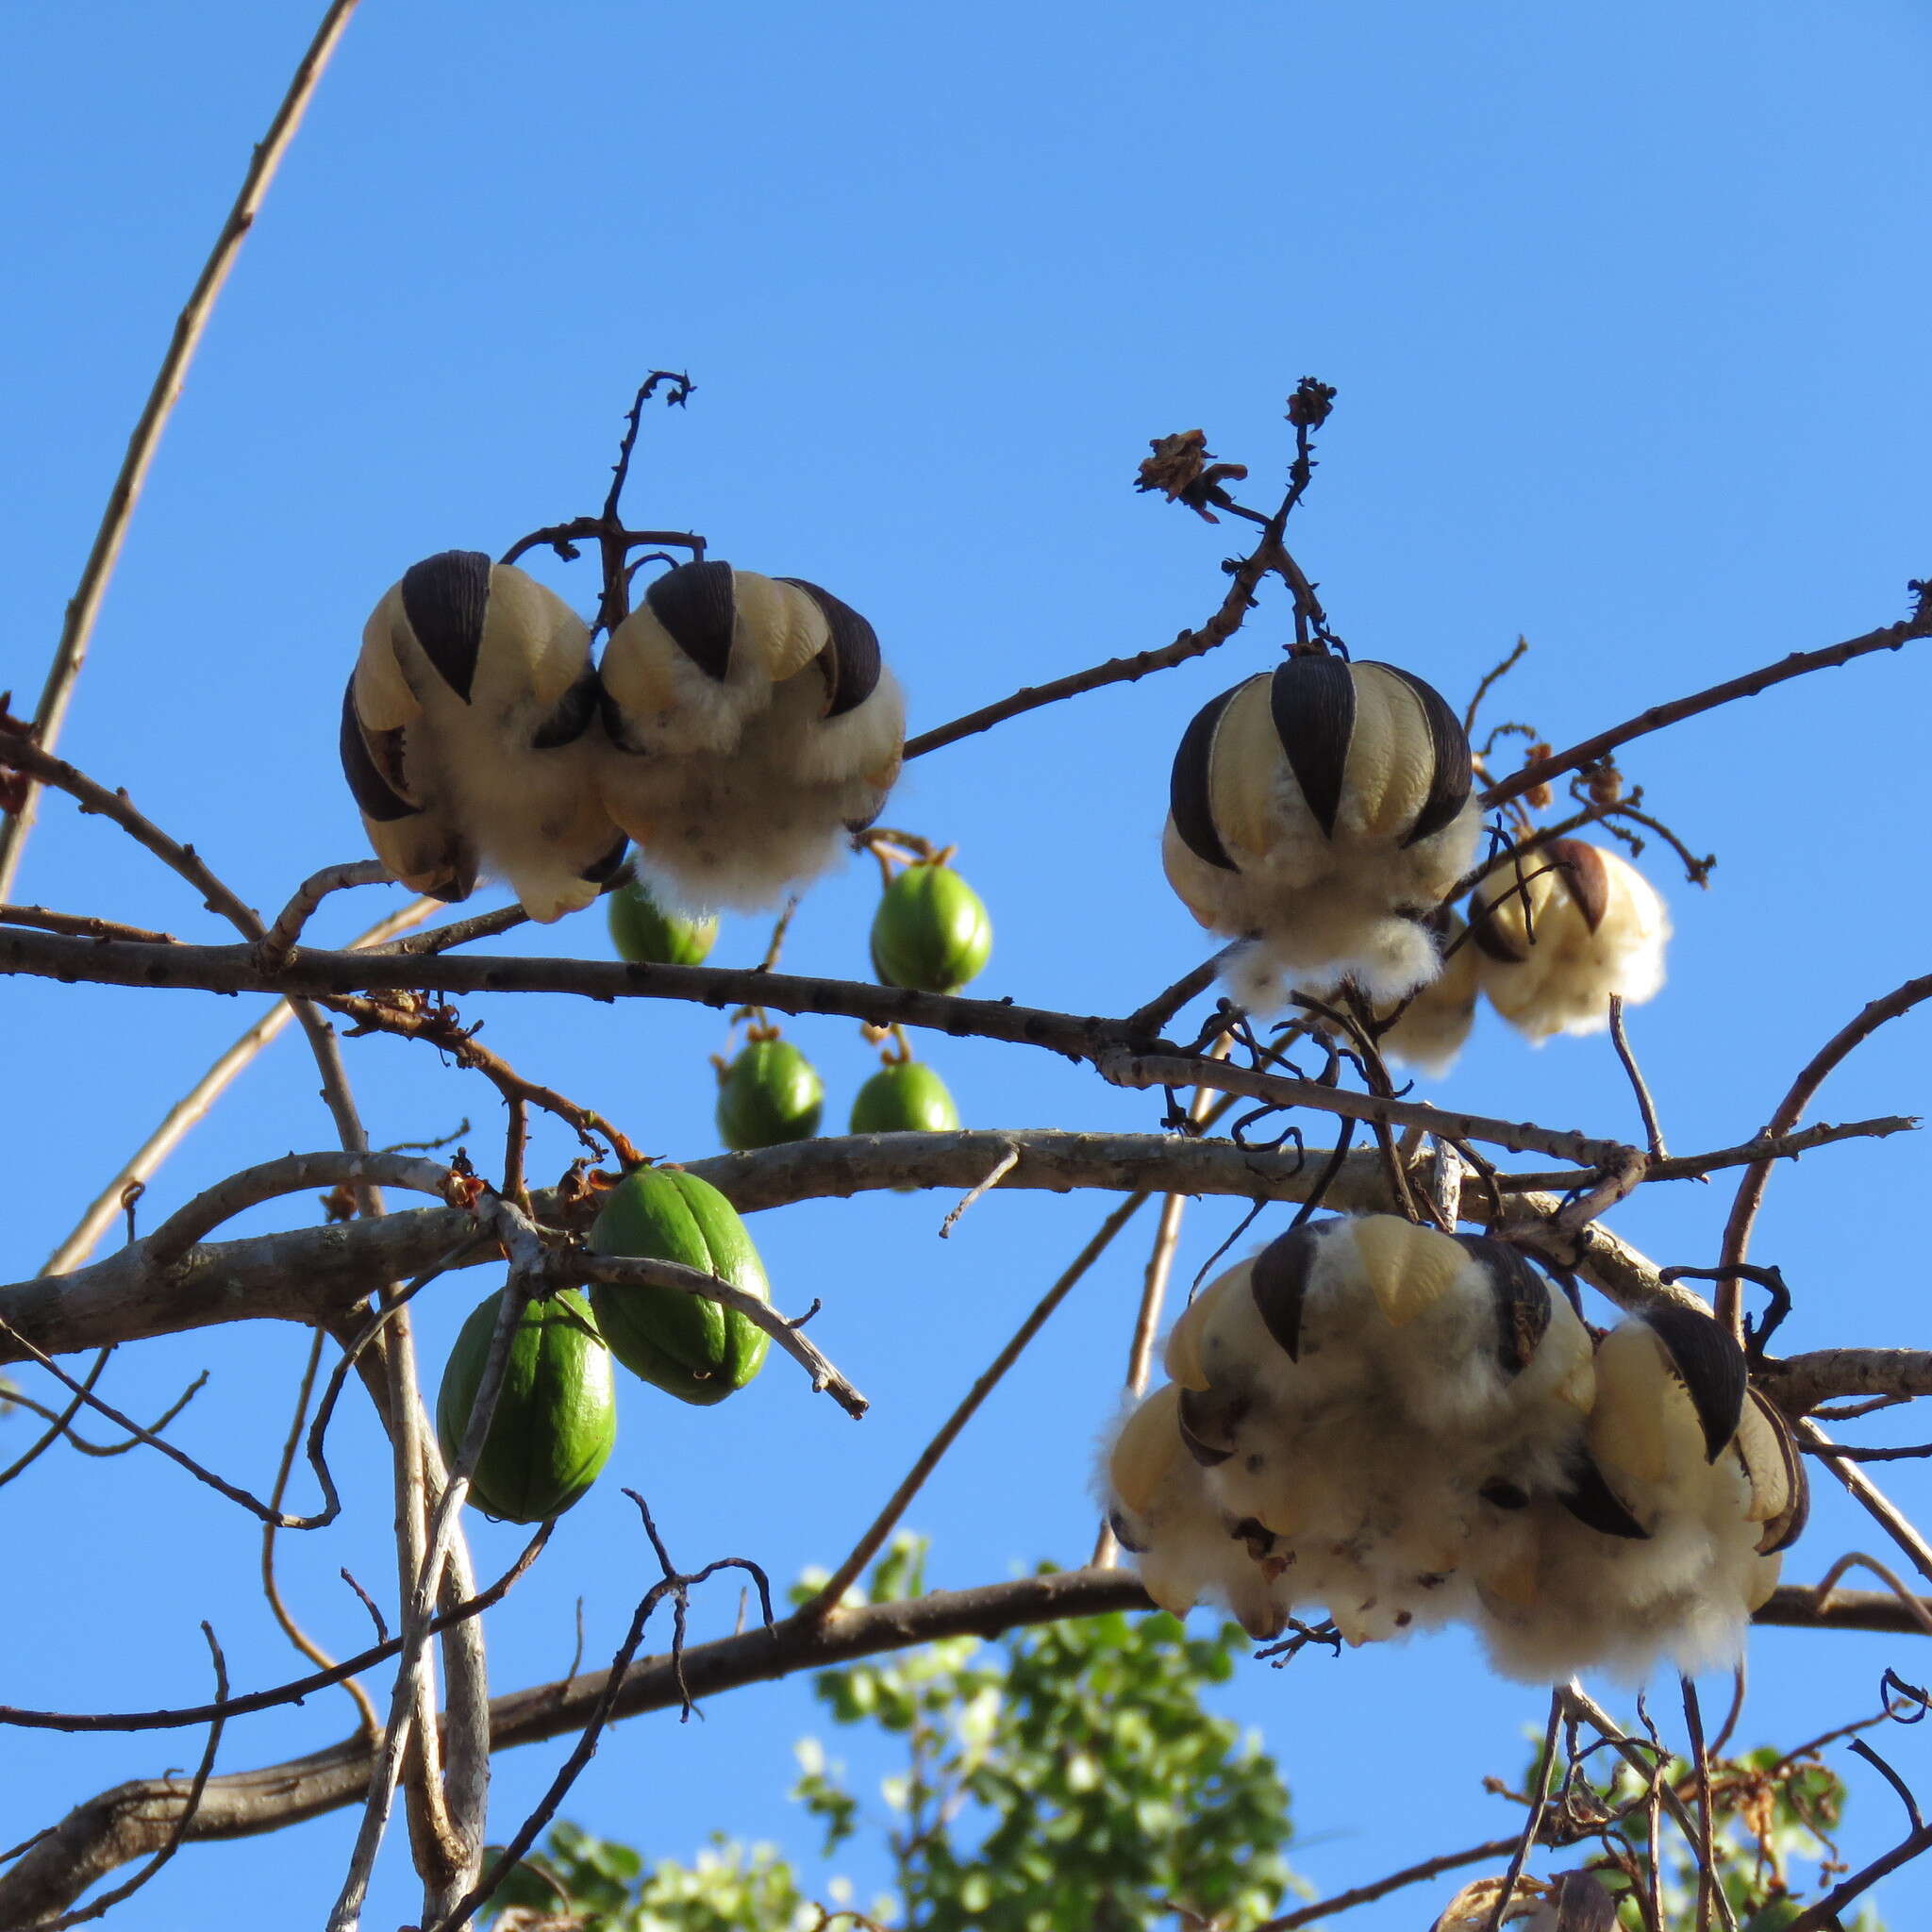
1183 469
1538 797
1606 783
1310 404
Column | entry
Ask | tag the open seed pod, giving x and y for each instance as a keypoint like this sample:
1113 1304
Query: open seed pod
1321 811
1562 928
466 738
752 728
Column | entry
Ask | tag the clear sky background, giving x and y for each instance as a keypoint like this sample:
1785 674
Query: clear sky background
1626 309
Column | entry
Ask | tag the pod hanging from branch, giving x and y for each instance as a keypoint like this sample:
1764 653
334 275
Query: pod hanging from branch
1322 812
1561 930
466 738
752 728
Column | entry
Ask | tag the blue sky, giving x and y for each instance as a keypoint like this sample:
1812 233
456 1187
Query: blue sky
1625 308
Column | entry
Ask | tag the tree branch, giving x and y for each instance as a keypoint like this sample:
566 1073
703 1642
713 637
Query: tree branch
77 628
132 1818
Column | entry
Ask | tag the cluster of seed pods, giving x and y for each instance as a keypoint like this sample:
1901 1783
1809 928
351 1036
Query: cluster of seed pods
738 728
1322 814
1405 1428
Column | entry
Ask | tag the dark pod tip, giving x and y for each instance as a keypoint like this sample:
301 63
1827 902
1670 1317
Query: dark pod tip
572 717
1195 1417
1710 1364
851 661
1312 702
1189 798
602 871
1522 1299
697 605
1279 1280
445 599
369 782
1582 870
1117 1522
1452 772
1594 1504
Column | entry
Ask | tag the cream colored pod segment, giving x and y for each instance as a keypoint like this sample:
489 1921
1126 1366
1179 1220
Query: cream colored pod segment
466 737
1561 930
1323 811
1163 1516
751 726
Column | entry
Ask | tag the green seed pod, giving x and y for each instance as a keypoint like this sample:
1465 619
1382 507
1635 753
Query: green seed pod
770 1093
931 933
556 1418
646 934
904 1097
691 1347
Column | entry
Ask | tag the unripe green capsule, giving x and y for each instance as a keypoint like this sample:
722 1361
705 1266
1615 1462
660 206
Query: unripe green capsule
904 1097
646 934
932 932
691 1347
556 1417
770 1093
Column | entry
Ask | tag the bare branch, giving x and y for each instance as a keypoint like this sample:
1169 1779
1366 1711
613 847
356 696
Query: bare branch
131 1819
830 1599
76 632
1888 638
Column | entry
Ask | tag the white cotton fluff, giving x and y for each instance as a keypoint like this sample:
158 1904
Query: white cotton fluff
1581 1597
753 730
1593 926
1431 1029
469 737
1162 1515
1320 813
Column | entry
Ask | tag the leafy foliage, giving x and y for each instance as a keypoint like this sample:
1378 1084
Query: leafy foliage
1064 1779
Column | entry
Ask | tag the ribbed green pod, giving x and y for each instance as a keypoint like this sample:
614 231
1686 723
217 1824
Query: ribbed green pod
683 1344
556 1418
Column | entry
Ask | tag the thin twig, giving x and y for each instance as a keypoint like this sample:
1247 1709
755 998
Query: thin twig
365 1711
1519 1857
278 942
1381 1887
77 628
108 1900
1645 1106
997 1173
194 1106
827 1603
1888 638
1812 1075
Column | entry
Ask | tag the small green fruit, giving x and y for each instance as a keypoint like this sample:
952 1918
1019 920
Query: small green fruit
556 1418
907 1098
932 932
770 1093
647 935
680 1343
